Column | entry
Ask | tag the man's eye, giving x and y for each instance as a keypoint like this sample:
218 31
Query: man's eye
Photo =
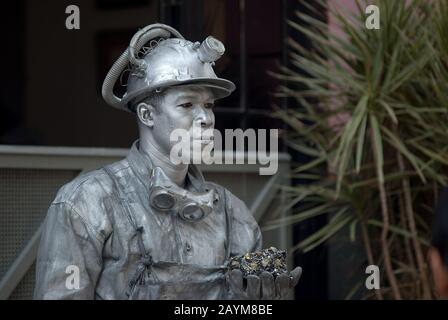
186 105
209 105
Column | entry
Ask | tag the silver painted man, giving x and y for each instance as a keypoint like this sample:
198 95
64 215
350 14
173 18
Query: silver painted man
143 227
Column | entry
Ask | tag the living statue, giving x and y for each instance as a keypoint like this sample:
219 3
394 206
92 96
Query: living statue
144 227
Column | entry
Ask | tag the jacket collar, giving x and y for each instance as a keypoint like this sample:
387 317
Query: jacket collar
141 164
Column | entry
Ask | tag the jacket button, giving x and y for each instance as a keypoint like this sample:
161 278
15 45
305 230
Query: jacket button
188 247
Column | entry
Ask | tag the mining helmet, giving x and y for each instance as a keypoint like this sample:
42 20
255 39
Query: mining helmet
169 60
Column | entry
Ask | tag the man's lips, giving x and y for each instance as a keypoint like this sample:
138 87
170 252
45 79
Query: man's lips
204 140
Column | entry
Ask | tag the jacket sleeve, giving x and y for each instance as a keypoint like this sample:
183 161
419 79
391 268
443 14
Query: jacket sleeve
69 256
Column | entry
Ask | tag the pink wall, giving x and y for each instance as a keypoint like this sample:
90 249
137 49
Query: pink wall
342 6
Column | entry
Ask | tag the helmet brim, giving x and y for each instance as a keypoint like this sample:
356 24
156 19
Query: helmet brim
220 88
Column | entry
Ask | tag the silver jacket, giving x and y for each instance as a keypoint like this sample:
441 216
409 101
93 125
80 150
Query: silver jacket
87 226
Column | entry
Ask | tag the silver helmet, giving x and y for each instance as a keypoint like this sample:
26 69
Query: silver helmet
168 61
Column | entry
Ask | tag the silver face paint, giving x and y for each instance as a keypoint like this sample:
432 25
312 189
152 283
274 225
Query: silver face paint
187 108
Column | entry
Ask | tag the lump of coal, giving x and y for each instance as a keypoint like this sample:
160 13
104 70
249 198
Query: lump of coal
271 260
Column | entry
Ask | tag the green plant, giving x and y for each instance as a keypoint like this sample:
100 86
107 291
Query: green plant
372 115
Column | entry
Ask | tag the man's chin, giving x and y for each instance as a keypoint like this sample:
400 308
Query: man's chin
204 155
194 153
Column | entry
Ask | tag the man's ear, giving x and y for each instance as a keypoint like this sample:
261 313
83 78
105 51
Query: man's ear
145 114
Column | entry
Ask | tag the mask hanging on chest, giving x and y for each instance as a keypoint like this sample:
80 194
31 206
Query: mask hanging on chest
165 196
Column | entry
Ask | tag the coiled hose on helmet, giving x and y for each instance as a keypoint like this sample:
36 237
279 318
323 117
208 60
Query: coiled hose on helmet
143 36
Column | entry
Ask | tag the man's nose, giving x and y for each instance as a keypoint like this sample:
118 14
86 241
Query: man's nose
205 117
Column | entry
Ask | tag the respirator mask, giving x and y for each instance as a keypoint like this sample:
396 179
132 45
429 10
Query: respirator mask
166 196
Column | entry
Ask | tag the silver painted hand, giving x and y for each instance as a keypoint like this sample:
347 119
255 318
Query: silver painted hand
263 287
